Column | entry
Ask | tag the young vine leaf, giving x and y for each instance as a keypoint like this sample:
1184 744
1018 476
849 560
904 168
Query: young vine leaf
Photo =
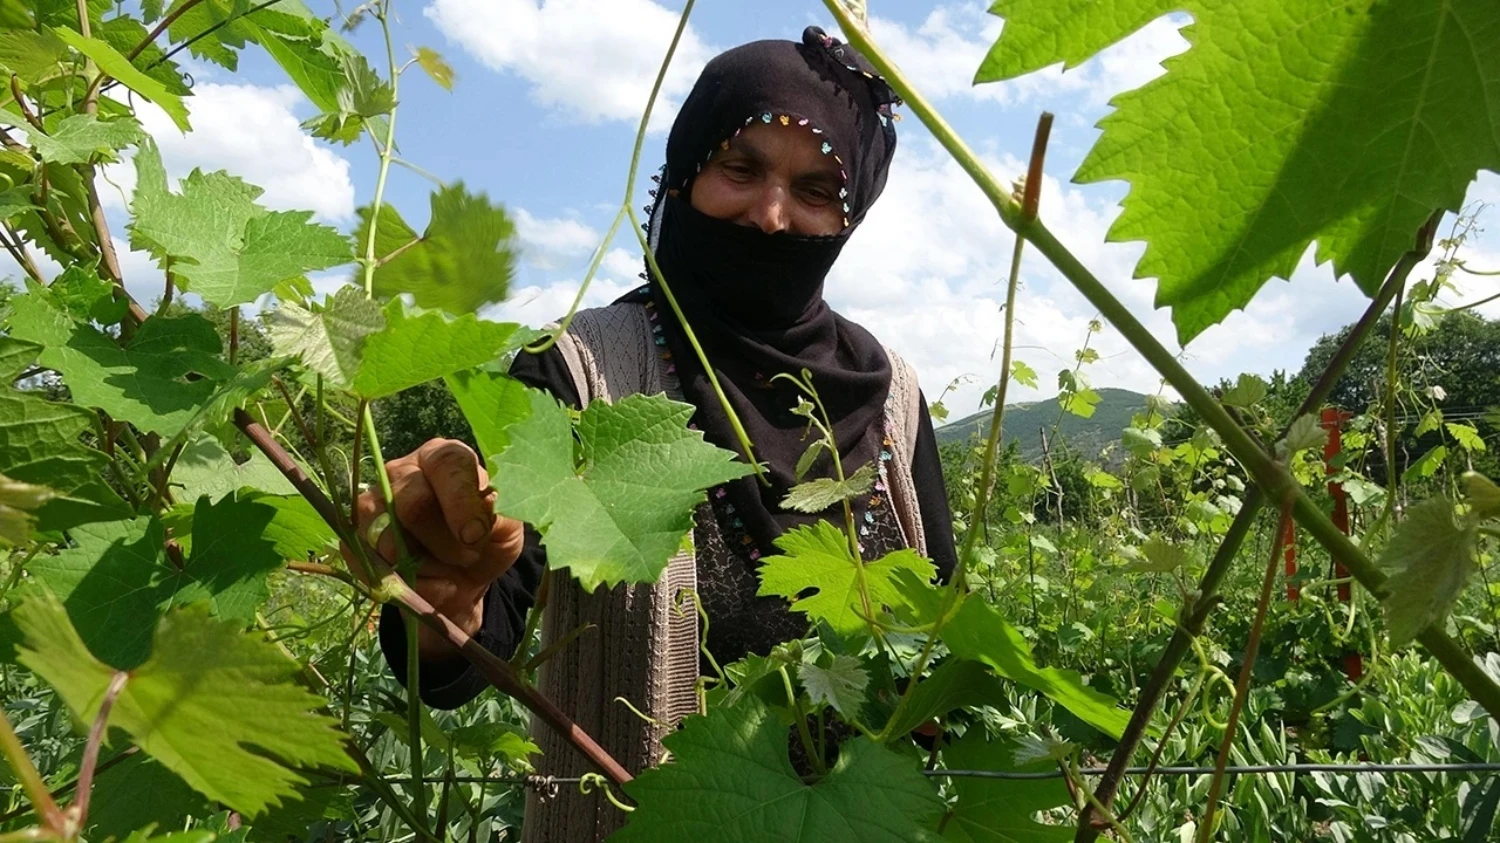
39 443
1293 106
992 811
980 633
78 138
954 684
436 67
491 402
819 494
735 765
613 507
418 346
116 66
207 695
216 241
463 261
1432 555
840 684
119 578
17 503
1481 493
330 339
816 558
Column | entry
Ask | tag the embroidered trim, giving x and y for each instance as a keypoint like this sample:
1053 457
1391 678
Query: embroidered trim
768 118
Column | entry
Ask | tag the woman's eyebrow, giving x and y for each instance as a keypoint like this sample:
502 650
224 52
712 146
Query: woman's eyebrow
748 149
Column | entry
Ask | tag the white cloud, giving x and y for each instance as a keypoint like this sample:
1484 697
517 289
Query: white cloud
253 132
592 59
538 305
942 53
553 243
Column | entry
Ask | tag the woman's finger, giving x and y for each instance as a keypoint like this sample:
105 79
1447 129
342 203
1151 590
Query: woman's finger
453 472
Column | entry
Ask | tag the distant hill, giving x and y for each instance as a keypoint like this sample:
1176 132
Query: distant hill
1024 422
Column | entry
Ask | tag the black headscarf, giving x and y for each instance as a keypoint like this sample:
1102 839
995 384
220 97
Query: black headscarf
755 300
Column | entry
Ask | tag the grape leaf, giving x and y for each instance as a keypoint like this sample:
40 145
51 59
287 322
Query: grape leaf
15 201
418 346
816 495
17 503
463 261
118 67
30 54
619 512
83 295
79 137
841 684
140 791
436 66
817 558
1481 493
1466 435
222 245
39 443
207 695
979 633
330 339
118 580
1432 555
1283 124
491 402
954 684
993 811
145 381
361 101
1247 391
744 788
1023 374
205 469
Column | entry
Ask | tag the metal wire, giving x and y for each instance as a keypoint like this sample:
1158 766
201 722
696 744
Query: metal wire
1247 769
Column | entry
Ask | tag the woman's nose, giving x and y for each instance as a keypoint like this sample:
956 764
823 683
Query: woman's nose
770 212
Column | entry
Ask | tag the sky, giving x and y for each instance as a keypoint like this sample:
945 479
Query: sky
543 117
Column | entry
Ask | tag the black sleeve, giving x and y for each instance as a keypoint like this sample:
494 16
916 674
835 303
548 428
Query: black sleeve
932 497
452 683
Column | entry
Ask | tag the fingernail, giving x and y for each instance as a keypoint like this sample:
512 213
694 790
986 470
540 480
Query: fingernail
473 531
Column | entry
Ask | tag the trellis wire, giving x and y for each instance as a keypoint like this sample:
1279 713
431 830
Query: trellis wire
1246 769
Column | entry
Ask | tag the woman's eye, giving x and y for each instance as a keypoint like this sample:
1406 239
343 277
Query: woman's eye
817 195
738 169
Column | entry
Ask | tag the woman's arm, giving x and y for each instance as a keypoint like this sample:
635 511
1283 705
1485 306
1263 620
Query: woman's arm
449 681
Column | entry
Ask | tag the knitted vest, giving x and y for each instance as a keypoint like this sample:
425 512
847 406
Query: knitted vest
641 647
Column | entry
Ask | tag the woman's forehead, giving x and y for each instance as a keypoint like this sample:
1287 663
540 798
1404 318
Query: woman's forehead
775 143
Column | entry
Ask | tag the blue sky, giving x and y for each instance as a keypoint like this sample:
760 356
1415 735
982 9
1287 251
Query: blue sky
543 117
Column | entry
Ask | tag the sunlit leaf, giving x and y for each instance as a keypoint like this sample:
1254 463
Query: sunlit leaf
436 67
1432 555
819 574
819 494
118 67
840 684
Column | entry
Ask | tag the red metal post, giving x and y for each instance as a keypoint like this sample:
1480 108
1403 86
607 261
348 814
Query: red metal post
1333 421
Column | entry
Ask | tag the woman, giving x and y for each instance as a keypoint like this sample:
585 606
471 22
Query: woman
775 157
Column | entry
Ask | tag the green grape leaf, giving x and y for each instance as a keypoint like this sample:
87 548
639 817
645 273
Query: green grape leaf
1023 374
1162 557
841 684
463 261
118 67
1081 403
118 578
994 811
330 339
1248 391
1466 435
817 558
296 530
1426 465
436 67
1481 493
31 54
814 496
810 456
479 741
744 788
18 502
1432 555
220 244
418 346
1431 421
491 402
1306 432
1270 126
15 201
1141 443
208 693
954 684
137 792
39 444
83 295
619 511
205 469
79 137
361 100
980 633
157 381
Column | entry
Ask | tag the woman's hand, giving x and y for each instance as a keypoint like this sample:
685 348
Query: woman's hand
446 510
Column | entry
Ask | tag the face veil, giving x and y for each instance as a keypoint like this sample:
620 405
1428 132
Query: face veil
755 300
